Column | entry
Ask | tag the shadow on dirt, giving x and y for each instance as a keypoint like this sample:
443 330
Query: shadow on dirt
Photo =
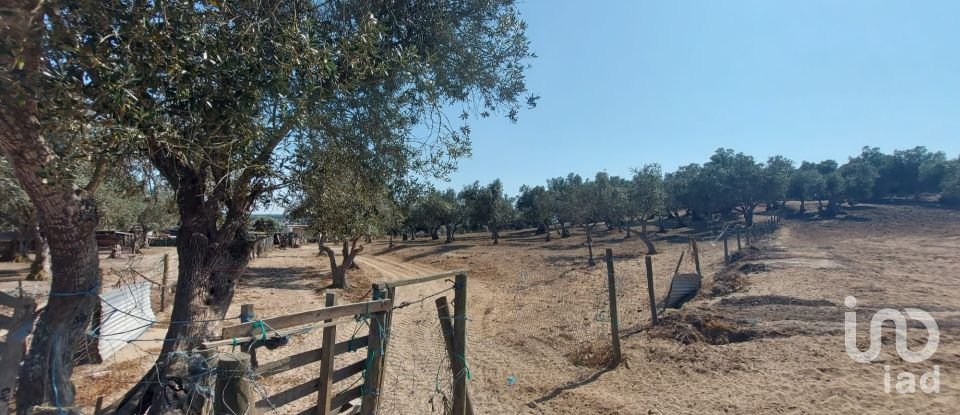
287 277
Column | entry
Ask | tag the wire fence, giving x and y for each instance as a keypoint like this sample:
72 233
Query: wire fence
547 328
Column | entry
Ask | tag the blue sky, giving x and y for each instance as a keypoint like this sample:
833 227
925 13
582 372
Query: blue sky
625 83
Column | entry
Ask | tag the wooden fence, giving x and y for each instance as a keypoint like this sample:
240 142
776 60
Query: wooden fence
18 326
235 372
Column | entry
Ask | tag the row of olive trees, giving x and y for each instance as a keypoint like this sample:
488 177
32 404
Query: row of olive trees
234 104
729 182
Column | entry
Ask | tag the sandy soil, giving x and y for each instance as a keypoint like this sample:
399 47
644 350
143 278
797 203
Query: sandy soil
539 324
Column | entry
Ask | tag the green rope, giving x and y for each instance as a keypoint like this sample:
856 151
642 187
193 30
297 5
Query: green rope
466 368
263 329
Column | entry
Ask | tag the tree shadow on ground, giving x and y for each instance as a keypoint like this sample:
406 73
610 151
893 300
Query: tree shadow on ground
570 386
439 250
287 277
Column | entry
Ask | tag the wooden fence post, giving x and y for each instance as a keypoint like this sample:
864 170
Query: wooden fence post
446 328
325 394
234 393
371 391
696 255
247 315
460 345
389 293
726 251
614 314
163 282
653 298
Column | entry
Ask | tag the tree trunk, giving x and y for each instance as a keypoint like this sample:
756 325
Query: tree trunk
646 239
748 215
450 229
590 260
819 206
338 273
67 216
803 207
40 268
833 208
435 233
547 237
211 260
495 233
390 245
629 232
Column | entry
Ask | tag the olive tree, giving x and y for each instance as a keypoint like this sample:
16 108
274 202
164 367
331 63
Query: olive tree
488 206
648 195
537 206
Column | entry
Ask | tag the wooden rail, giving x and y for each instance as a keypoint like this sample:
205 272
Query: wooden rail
418 280
308 317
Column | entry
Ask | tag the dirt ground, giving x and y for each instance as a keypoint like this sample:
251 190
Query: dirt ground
538 323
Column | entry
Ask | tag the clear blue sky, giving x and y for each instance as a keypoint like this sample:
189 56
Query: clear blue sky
625 83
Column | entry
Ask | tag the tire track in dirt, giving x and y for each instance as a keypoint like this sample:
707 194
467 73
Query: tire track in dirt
416 350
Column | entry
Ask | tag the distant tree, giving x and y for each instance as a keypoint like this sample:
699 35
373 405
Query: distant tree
265 224
740 181
649 196
860 178
440 209
950 185
832 190
776 179
803 185
488 206
592 202
687 189
337 212
933 171
565 193
906 165
537 206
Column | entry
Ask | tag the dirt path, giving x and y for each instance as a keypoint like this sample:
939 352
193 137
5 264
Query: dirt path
415 353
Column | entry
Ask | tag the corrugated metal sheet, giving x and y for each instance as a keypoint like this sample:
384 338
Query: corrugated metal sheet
683 287
125 314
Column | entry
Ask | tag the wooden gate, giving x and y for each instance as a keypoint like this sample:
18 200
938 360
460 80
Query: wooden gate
233 394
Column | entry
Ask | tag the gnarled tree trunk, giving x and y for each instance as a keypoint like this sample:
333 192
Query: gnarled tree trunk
67 215
450 231
339 272
213 250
